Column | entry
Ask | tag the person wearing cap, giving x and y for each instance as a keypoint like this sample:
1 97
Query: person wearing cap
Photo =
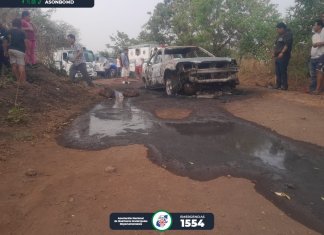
124 60
282 54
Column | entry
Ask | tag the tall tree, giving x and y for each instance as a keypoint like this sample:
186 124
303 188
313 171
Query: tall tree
121 40
222 26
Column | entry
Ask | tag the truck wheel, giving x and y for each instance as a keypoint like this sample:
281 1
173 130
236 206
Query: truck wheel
145 83
171 87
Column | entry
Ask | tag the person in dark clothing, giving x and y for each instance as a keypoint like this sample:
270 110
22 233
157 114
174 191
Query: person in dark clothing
17 48
282 54
4 59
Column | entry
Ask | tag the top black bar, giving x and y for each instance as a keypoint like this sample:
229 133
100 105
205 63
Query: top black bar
47 3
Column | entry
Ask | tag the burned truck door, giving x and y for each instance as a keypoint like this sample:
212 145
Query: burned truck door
155 69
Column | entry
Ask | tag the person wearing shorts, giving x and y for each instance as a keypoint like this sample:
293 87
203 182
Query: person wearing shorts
125 66
17 48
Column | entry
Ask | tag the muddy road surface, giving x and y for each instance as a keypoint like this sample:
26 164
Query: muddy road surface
197 138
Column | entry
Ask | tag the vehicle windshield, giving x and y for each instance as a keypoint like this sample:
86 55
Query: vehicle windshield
89 56
187 52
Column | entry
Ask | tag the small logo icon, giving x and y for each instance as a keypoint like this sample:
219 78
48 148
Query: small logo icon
31 2
162 221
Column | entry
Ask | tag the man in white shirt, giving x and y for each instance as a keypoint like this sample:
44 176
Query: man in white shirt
138 64
316 52
319 27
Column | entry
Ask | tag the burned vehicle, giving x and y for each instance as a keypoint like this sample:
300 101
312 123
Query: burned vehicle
189 69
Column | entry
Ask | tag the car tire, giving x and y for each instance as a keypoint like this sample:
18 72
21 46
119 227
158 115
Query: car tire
171 87
145 83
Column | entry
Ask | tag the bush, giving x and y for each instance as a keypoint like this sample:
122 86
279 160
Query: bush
17 115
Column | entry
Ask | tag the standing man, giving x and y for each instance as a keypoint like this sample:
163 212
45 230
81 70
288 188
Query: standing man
124 60
79 61
282 54
138 64
118 64
17 48
4 60
316 52
30 31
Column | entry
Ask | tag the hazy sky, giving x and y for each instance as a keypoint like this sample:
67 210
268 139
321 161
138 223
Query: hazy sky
108 16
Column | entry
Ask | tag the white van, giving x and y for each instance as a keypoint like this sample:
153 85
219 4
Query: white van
146 51
61 59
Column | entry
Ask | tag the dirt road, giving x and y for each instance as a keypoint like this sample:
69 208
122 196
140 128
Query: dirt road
72 191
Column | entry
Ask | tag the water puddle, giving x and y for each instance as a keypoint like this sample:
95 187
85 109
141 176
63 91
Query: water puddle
118 120
210 144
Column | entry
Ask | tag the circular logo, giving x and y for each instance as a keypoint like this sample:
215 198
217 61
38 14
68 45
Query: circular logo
162 221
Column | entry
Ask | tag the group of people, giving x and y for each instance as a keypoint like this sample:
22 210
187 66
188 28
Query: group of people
18 49
123 65
282 54
18 46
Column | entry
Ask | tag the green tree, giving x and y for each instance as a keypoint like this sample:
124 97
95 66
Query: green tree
122 40
159 27
51 35
244 27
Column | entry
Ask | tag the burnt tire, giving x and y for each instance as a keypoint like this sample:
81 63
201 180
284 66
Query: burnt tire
171 87
145 83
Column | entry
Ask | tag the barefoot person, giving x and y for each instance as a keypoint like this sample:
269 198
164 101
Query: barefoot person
17 48
79 61
30 31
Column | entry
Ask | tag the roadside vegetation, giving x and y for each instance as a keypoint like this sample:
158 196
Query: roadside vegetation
241 29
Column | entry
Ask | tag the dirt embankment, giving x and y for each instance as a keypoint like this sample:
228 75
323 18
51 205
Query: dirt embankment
43 106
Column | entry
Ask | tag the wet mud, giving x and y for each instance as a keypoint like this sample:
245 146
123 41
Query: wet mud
208 144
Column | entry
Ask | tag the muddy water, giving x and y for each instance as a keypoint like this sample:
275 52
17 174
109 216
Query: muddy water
209 144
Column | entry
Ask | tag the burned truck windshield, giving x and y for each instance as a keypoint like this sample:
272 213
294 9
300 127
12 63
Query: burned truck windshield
187 52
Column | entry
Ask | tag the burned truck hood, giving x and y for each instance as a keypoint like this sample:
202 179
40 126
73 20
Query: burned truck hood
203 60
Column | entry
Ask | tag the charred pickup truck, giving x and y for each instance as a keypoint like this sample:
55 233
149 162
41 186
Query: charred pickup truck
188 69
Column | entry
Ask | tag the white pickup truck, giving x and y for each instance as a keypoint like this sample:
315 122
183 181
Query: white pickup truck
62 63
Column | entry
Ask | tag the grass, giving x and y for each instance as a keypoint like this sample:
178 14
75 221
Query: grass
260 73
17 115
